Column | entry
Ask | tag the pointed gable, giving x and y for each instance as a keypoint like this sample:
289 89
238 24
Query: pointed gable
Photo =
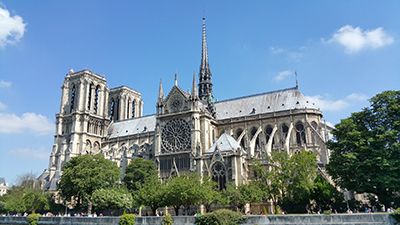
225 143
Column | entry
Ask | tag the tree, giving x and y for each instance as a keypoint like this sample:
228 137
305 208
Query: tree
210 194
286 178
365 151
243 194
150 193
112 198
83 175
137 171
325 196
183 190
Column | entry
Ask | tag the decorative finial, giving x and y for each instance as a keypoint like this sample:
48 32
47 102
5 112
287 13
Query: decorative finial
176 79
297 84
72 70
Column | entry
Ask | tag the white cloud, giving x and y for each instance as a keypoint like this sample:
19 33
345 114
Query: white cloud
328 105
41 153
282 75
12 28
276 50
294 56
3 106
4 83
28 122
357 97
355 39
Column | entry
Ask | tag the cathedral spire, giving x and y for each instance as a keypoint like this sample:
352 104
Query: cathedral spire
160 93
176 79
194 86
205 85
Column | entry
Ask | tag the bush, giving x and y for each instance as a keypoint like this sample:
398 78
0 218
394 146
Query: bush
167 220
127 219
327 212
220 217
396 215
33 218
276 210
265 211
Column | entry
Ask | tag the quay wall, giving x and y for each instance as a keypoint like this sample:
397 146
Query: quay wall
334 219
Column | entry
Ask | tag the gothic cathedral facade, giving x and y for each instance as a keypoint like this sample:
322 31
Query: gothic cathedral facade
190 132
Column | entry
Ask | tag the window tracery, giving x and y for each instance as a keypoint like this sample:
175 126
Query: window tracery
96 99
175 136
284 133
300 134
268 133
218 174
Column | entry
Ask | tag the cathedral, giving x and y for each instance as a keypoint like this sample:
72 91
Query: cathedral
190 132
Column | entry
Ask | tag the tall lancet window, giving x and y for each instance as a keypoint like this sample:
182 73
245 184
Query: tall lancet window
268 133
96 99
90 96
112 110
72 98
219 176
133 109
300 134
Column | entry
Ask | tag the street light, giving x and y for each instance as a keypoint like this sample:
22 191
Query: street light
66 208
347 201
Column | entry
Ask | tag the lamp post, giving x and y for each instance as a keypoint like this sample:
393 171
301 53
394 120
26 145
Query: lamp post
66 207
347 201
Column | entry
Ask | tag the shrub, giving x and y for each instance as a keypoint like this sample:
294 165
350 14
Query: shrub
276 210
327 212
127 219
167 220
220 217
33 218
396 215
265 211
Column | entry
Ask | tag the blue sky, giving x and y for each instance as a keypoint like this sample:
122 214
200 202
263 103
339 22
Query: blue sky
344 53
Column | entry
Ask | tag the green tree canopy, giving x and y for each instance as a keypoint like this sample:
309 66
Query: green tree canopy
150 193
286 179
183 190
137 171
210 194
366 150
83 175
325 196
243 194
112 198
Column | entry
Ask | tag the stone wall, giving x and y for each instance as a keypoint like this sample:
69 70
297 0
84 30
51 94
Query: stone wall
335 219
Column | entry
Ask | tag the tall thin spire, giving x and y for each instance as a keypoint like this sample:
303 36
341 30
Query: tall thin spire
205 85
160 92
194 86
176 79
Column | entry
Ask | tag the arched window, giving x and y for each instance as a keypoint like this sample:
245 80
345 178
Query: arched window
253 132
284 133
127 110
96 99
72 98
313 134
219 175
90 96
112 109
268 133
133 109
238 133
300 134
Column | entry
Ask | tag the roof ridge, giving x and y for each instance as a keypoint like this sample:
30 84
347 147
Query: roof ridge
253 95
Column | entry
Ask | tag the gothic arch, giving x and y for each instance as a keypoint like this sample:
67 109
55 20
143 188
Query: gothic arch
219 175
300 134
268 133
73 96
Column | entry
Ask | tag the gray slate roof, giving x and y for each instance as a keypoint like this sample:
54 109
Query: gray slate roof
132 126
224 143
268 102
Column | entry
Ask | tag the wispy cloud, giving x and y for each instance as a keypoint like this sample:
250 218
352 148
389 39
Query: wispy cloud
276 50
12 28
28 122
4 83
282 75
355 39
336 105
40 153
295 56
3 106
